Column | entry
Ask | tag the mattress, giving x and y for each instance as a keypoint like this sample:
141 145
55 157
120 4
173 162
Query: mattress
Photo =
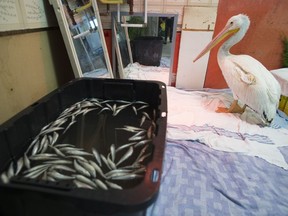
198 180
221 164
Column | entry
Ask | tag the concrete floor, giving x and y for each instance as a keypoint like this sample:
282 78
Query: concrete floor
166 49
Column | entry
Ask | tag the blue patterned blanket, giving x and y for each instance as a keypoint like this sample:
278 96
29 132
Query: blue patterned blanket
198 180
221 164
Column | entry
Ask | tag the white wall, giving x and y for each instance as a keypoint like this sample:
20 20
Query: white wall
156 6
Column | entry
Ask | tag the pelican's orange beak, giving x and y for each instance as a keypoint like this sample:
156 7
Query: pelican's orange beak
221 36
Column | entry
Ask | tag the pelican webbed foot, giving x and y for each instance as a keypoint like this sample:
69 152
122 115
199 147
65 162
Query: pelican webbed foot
234 108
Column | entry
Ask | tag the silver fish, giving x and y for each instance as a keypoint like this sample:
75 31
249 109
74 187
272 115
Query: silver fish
136 138
153 124
11 171
123 106
57 122
105 161
35 173
49 130
58 162
97 156
140 102
66 111
150 132
132 128
96 103
143 107
44 141
100 184
124 101
116 112
59 176
125 146
129 128
46 126
44 176
140 170
86 104
26 161
126 155
106 101
79 158
81 169
142 120
65 115
111 164
62 145
117 172
88 167
113 152
20 164
139 133
38 167
154 114
146 114
86 180
69 125
103 109
50 178
50 138
35 148
97 168
76 113
51 168
45 146
125 129
58 152
35 140
109 106
78 152
114 108
113 185
68 148
142 152
142 142
127 176
44 156
63 167
4 178
133 166
89 110
140 160
81 184
85 111
134 109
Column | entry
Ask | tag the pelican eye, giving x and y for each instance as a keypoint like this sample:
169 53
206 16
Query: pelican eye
231 23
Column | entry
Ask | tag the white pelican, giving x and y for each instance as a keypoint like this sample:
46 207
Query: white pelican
248 79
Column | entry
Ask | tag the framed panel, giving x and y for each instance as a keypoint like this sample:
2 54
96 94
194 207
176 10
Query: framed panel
81 28
153 16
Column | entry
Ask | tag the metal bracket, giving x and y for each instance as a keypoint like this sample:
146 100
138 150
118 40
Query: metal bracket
137 25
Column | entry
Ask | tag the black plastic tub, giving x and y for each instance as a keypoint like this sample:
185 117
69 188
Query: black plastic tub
98 128
147 50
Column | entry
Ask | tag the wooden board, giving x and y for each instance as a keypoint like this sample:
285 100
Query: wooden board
197 31
192 75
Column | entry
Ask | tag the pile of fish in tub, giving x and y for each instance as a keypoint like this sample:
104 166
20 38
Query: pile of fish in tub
48 159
